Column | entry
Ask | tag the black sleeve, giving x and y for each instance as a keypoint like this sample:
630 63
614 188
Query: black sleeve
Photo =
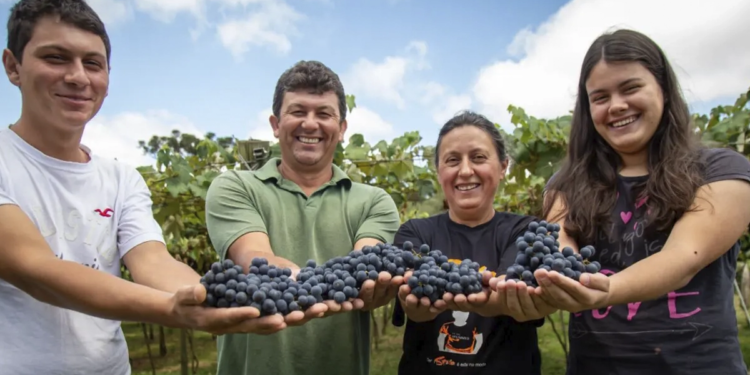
509 257
726 164
405 233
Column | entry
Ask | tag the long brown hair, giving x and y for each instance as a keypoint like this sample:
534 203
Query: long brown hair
586 182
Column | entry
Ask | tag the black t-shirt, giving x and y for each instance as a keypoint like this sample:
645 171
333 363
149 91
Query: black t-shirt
464 343
691 331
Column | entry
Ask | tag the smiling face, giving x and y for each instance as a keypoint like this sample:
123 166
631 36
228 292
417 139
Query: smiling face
309 129
626 105
63 76
469 171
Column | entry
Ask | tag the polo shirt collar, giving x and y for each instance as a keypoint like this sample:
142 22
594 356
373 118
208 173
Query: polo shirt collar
270 170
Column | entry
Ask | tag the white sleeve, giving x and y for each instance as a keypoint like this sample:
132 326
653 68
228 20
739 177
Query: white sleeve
136 223
4 191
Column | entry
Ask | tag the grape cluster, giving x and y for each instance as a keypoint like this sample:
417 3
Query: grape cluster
539 248
434 275
272 290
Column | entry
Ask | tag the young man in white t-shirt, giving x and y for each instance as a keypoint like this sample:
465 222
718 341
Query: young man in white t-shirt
68 217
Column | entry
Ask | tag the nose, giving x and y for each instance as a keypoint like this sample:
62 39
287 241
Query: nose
310 122
465 169
617 105
76 74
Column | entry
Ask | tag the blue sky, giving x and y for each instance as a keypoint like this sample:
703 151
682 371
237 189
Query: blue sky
211 65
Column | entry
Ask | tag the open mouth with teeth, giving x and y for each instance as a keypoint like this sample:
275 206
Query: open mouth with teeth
309 141
624 122
467 187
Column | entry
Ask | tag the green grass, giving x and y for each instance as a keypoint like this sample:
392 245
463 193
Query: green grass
384 359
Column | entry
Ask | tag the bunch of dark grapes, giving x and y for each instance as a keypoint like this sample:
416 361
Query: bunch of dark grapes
434 275
539 248
272 290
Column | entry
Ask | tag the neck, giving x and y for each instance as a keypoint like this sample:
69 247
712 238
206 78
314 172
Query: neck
472 219
308 181
634 164
55 144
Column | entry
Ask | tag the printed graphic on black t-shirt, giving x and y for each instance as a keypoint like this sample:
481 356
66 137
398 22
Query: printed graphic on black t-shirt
459 338
460 342
691 331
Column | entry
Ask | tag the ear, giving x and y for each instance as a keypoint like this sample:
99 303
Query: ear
344 125
503 168
274 125
12 67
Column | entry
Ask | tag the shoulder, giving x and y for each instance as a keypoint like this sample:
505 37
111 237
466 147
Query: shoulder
433 221
423 228
359 187
724 164
128 177
236 180
368 196
235 177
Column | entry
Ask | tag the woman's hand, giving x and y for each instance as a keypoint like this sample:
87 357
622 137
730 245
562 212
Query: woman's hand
475 302
417 309
592 291
517 300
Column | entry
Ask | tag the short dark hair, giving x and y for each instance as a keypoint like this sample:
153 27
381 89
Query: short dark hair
312 76
25 14
469 118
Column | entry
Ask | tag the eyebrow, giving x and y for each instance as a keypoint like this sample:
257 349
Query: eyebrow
473 150
66 50
297 105
623 83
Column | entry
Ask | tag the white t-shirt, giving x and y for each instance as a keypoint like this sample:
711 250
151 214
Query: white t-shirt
90 213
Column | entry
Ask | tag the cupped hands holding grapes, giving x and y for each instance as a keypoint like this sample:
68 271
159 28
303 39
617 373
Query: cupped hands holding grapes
571 280
555 278
362 280
424 280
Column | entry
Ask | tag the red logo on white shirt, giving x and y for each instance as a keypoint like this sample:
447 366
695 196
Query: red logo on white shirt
106 213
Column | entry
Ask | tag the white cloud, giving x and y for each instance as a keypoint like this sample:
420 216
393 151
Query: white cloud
431 91
368 123
702 39
386 80
451 105
270 26
442 102
246 23
261 127
112 12
117 136
166 10
361 120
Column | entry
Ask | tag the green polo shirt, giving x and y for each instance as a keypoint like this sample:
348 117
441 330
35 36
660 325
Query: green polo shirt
322 226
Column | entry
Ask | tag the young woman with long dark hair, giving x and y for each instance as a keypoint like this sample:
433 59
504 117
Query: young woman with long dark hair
664 214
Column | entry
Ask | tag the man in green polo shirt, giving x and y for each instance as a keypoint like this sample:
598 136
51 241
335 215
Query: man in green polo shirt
298 207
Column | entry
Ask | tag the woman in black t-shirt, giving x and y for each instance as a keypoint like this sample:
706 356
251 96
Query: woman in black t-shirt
474 335
664 214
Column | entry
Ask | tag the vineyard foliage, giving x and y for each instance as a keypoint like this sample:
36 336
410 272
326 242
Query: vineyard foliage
187 164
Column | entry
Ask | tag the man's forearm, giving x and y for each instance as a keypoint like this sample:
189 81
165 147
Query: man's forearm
169 275
73 286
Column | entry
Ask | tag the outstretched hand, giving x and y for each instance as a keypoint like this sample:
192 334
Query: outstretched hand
188 311
417 309
377 293
474 302
590 292
517 300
